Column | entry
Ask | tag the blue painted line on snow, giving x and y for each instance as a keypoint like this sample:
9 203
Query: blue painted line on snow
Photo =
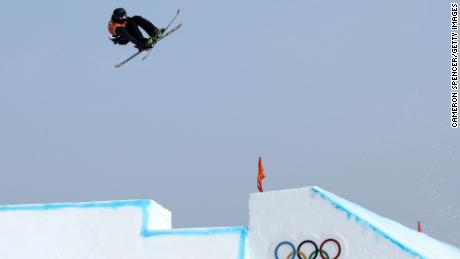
145 232
350 214
243 238
197 231
241 231
142 204
82 205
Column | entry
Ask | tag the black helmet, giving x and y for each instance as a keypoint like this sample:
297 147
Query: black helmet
119 14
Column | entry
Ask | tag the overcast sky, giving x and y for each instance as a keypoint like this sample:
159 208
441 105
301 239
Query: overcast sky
352 96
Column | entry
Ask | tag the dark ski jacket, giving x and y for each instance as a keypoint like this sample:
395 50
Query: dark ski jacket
121 35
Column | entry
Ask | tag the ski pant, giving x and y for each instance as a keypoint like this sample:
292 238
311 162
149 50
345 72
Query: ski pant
132 27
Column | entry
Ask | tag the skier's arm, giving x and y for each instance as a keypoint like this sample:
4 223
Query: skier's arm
125 34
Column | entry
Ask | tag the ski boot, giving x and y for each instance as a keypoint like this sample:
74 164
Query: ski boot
151 41
158 33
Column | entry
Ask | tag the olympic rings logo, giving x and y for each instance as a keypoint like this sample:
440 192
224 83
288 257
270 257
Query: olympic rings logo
313 255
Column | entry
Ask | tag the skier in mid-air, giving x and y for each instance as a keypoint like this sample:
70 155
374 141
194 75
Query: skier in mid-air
125 29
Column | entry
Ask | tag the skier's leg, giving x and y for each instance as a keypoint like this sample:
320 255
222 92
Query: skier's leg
146 25
133 28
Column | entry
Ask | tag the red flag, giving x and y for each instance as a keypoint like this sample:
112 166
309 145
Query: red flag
419 226
260 176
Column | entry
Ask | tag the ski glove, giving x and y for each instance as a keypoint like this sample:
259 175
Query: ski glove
115 40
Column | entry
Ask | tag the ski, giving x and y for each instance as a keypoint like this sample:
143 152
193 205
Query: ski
128 59
166 33
161 37
172 20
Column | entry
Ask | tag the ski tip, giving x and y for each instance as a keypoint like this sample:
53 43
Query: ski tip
178 11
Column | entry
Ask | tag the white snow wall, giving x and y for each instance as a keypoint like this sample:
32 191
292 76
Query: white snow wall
321 223
281 220
138 229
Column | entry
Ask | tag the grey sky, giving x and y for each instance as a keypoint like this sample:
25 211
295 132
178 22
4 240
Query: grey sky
352 96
